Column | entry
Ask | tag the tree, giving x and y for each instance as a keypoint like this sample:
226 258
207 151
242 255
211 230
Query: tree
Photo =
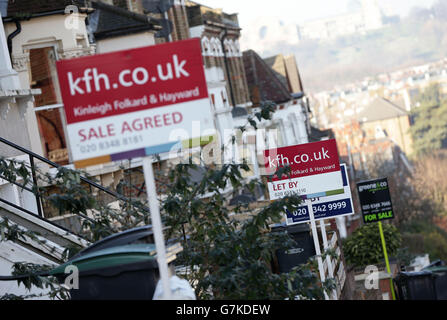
424 237
410 189
227 257
419 202
430 179
429 131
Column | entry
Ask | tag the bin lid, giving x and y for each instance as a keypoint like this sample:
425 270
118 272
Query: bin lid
295 228
403 276
119 239
436 269
110 257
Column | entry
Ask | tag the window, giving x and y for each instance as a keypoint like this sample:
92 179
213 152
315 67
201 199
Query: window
224 98
48 104
213 100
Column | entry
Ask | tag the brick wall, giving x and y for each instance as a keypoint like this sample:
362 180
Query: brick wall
179 19
238 80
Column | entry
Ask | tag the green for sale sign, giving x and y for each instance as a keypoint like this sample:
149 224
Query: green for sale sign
375 200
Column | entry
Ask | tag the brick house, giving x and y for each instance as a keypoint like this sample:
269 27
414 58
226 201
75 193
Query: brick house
382 128
44 34
291 116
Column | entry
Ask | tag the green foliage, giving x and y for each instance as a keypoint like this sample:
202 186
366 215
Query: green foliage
424 237
404 255
364 247
14 172
429 131
227 250
228 257
32 275
436 245
12 232
72 196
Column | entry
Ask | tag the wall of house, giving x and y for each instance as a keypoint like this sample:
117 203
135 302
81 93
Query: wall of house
217 81
226 55
291 124
17 195
236 72
396 128
125 42
233 68
178 15
67 37
12 125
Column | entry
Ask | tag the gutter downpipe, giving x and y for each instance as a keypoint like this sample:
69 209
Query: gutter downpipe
12 36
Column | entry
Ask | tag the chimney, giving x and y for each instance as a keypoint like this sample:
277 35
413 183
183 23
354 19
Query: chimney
407 100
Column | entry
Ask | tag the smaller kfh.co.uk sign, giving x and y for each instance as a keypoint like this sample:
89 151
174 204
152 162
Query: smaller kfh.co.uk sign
136 102
314 170
325 207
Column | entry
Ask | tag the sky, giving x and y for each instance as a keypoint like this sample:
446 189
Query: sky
298 11
280 17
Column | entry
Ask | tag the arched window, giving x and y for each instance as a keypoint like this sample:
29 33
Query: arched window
219 48
229 47
206 50
237 48
214 49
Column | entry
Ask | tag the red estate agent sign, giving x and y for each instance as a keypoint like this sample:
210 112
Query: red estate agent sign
314 170
134 103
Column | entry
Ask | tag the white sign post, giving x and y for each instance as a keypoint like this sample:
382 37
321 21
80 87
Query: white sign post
328 259
316 244
157 227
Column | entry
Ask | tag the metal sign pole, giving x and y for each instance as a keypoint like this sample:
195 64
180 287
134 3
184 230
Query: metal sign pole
329 260
316 243
157 226
388 269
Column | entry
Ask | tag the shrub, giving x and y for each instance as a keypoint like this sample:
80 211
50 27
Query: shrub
364 246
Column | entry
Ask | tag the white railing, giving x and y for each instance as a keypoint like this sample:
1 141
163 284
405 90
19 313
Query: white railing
337 267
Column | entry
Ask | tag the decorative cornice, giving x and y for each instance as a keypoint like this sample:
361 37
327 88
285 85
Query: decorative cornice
77 52
21 99
20 62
